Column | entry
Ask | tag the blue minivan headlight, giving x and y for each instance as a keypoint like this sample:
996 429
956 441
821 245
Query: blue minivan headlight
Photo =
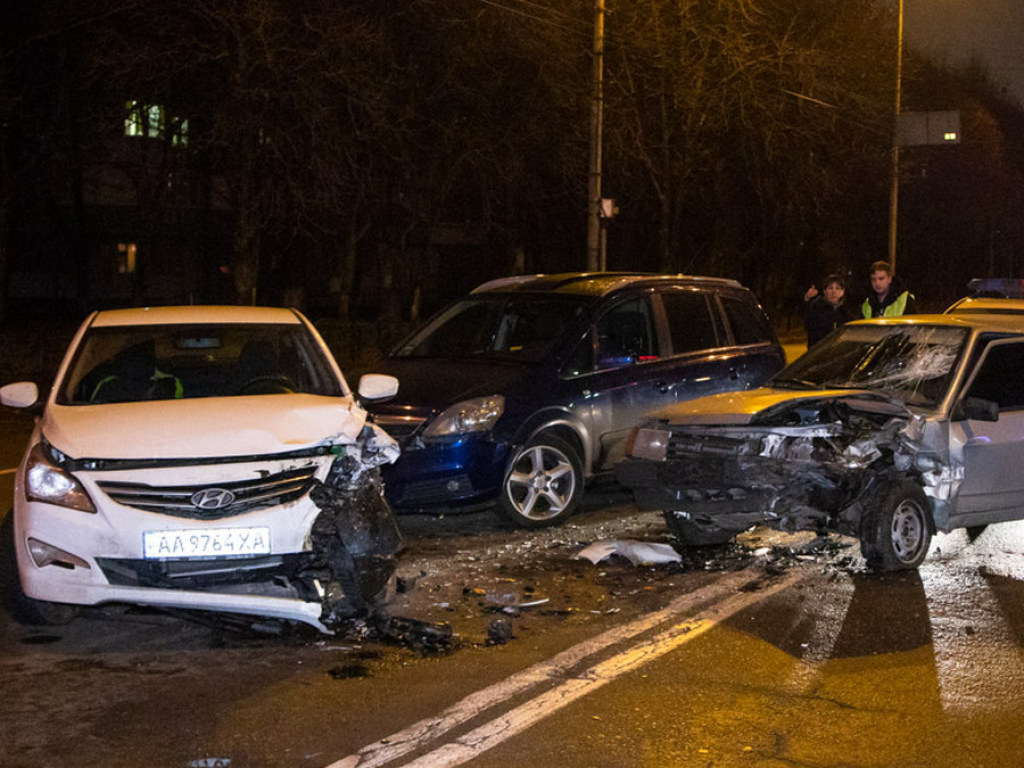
476 415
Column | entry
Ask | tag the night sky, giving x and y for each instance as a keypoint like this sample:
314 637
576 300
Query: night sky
952 31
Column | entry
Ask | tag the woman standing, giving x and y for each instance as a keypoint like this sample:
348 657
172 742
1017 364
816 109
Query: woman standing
824 312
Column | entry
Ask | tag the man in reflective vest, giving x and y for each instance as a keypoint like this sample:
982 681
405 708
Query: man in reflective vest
886 298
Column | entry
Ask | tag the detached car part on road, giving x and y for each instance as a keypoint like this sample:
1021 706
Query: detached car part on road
522 391
205 458
888 430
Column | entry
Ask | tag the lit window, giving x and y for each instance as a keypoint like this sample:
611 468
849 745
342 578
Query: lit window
133 121
153 121
126 258
179 137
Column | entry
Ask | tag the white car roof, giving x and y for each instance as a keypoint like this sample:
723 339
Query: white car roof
185 315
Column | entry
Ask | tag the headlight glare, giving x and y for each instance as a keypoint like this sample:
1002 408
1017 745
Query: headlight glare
45 481
651 444
476 415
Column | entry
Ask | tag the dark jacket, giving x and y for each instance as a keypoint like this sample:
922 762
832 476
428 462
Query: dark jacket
897 302
821 318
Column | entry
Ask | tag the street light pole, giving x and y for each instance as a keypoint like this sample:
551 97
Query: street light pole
594 249
894 196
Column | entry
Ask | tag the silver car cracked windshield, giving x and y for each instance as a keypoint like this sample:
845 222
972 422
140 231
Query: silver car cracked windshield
887 431
202 458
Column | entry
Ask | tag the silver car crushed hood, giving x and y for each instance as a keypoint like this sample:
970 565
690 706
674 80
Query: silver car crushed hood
751 406
784 441
203 428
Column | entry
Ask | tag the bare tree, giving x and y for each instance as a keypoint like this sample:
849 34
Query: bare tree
728 109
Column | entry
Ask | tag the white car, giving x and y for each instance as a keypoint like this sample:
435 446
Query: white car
201 458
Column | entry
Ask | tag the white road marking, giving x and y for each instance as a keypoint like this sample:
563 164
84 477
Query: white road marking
558 668
976 671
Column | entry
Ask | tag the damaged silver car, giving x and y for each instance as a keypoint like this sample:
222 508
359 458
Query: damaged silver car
888 431
200 458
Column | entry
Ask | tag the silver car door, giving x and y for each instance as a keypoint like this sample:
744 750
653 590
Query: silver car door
993 451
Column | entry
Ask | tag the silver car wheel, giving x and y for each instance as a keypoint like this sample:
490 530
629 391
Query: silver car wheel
896 534
543 484
908 531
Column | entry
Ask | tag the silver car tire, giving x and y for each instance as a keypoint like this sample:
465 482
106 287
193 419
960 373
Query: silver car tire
897 534
543 484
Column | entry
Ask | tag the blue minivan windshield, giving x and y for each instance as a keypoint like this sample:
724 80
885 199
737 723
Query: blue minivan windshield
521 327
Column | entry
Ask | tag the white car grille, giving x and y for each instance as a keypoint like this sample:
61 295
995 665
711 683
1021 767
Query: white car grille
212 501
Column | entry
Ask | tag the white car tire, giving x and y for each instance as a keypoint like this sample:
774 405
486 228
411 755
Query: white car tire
24 609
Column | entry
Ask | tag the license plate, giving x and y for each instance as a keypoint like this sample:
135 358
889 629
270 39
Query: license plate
214 542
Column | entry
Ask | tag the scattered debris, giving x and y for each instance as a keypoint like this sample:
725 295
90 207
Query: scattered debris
637 552
499 632
349 671
422 636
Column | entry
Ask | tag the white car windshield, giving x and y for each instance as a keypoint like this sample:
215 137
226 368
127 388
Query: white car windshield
161 362
913 362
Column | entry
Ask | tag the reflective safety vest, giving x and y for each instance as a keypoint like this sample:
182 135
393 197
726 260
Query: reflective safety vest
179 391
895 309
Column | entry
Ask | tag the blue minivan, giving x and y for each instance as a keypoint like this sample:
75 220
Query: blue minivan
524 390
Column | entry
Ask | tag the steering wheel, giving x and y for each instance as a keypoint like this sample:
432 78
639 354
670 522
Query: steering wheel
267 385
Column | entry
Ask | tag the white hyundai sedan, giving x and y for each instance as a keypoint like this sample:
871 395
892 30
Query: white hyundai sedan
202 458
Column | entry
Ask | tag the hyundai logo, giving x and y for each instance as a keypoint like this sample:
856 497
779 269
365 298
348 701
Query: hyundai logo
212 498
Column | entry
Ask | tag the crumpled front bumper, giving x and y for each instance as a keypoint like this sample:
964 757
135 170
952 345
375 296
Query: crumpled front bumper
331 550
656 486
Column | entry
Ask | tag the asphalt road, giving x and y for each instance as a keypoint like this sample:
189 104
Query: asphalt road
777 651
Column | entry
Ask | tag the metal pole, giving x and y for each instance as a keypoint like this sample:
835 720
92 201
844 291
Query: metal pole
594 260
894 197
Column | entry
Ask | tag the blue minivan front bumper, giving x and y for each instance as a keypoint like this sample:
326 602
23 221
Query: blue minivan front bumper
464 472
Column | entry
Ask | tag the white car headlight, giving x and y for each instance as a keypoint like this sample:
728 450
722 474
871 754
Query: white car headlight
476 415
649 443
45 481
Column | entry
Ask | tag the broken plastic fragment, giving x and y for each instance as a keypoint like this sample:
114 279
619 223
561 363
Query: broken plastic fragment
533 603
637 552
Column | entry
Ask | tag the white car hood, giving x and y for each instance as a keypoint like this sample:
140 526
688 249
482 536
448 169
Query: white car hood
202 427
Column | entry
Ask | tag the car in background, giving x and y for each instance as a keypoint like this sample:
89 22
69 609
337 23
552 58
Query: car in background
888 431
520 392
986 305
991 295
200 458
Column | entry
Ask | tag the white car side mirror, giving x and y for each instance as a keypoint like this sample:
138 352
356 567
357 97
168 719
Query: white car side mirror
20 394
377 386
